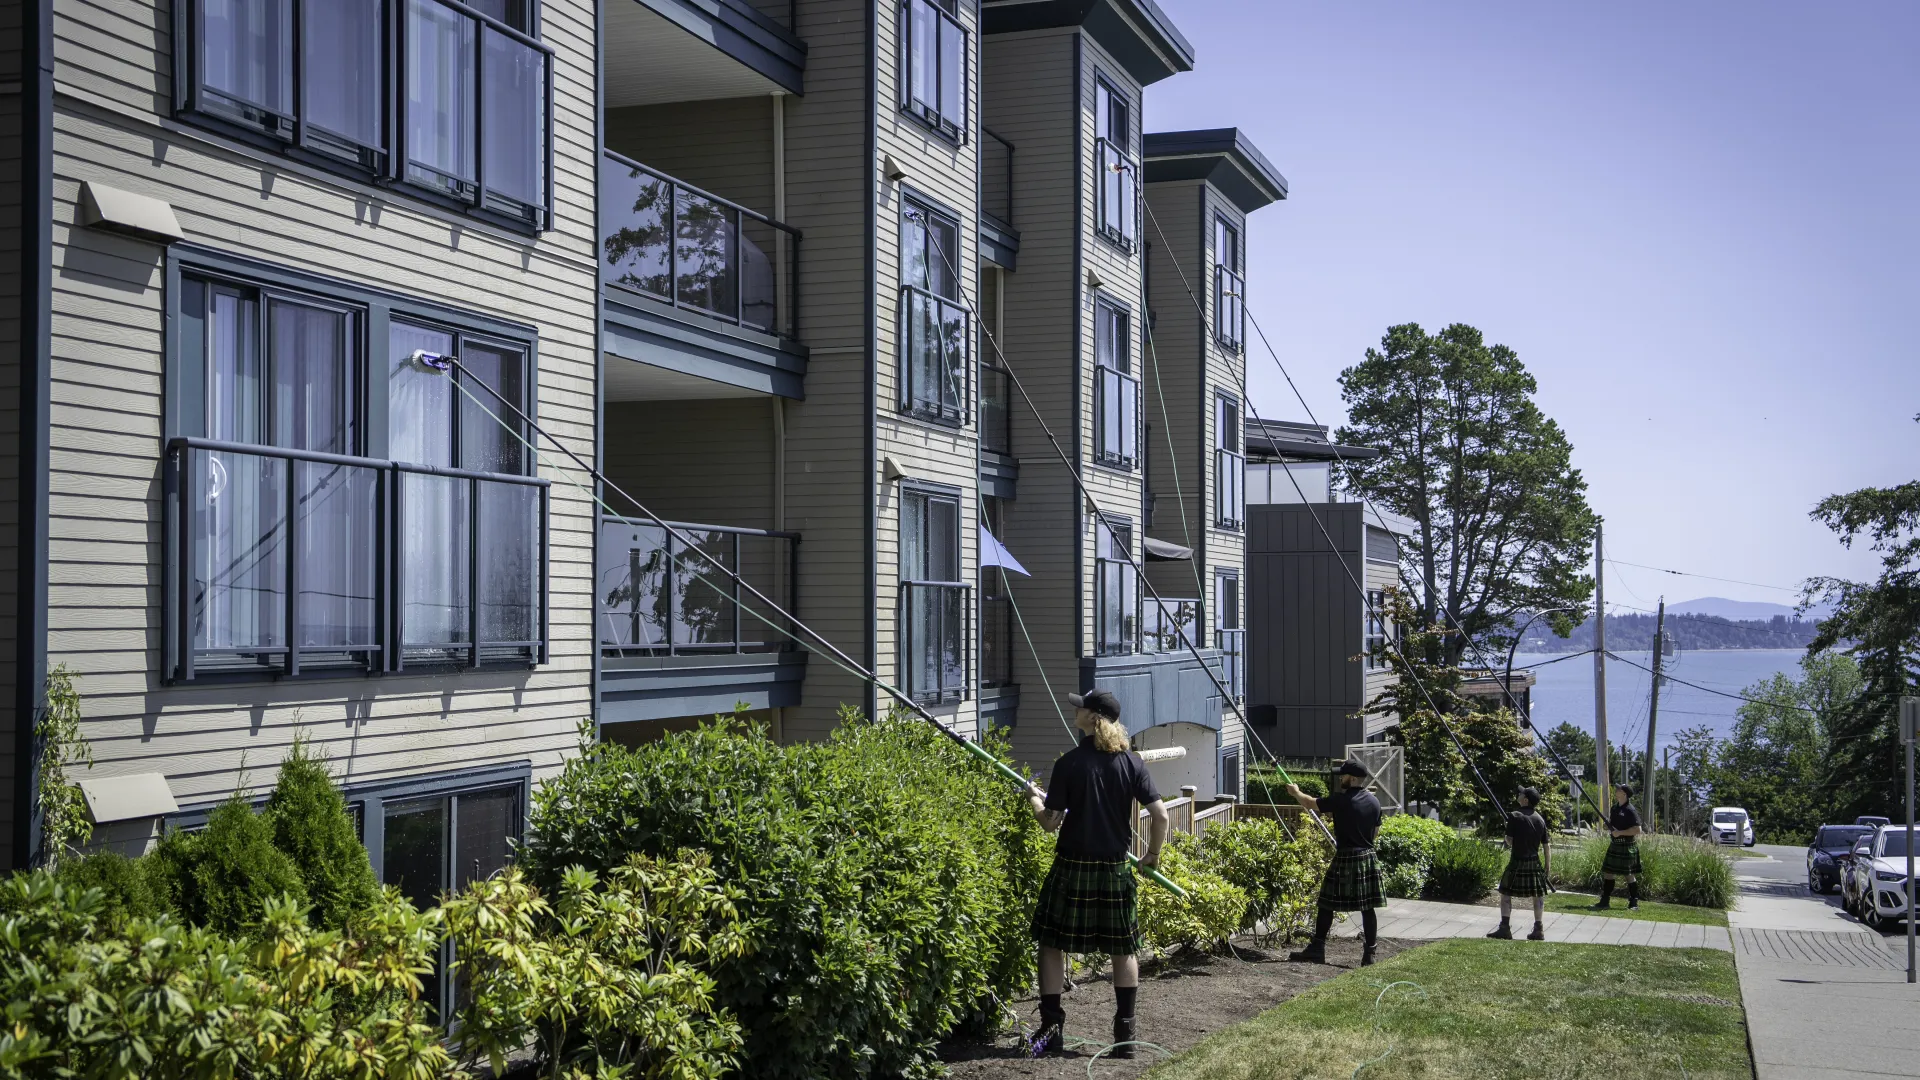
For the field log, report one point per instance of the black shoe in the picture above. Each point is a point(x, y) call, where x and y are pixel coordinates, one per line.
point(1606, 898)
point(1314, 953)
point(1503, 932)
point(1050, 1040)
point(1633, 896)
point(1123, 1037)
point(1366, 956)
point(1539, 933)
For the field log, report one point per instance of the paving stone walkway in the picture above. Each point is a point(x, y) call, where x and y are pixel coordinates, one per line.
point(1426, 920)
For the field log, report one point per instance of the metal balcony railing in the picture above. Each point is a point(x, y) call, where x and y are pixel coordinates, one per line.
point(284, 561)
point(936, 662)
point(659, 596)
point(679, 245)
point(1233, 647)
point(1165, 622)
point(1116, 418)
point(1230, 489)
point(1117, 194)
point(936, 381)
point(1229, 309)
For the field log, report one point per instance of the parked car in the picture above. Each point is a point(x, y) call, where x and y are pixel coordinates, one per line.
point(1829, 854)
point(1731, 825)
point(1871, 821)
point(1873, 887)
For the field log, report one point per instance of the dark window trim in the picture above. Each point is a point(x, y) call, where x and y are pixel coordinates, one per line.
point(1228, 454)
point(957, 132)
point(388, 166)
point(1132, 645)
point(1115, 238)
point(1229, 333)
point(1117, 461)
point(957, 590)
point(377, 307)
point(962, 413)
point(194, 816)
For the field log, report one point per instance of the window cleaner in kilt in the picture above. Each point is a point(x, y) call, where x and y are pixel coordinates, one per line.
point(1623, 851)
point(1353, 879)
point(1529, 864)
point(1088, 903)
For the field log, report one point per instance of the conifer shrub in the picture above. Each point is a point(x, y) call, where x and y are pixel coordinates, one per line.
point(886, 880)
point(311, 825)
point(125, 891)
point(223, 876)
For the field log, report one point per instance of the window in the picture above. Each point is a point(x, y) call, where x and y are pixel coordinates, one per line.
point(1117, 176)
point(1229, 464)
point(996, 605)
point(1116, 589)
point(292, 547)
point(319, 80)
point(1229, 288)
point(1376, 643)
point(934, 373)
point(1230, 637)
point(1230, 771)
point(935, 604)
point(1116, 393)
point(996, 386)
point(934, 53)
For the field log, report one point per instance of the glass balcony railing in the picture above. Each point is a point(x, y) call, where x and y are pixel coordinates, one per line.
point(1164, 623)
point(659, 594)
point(1116, 418)
point(935, 660)
point(1230, 489)
point(935, 381)
point(679, 245)
point(1117, 191)
point(1229, 309)
point(996, 410)
point(1233, 646)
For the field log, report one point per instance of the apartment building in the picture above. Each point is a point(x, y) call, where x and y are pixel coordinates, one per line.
point(254, 500)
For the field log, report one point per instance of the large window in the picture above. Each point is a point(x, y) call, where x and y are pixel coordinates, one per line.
point(1230, 637)
point(1116, 393)
point(470, 83)
point(1229, 464)
point(935, 605)
point(1229, 287)
point(1117, 175)
point(934, 62)
point(1116, 591)
point(934, 373)
point(1375, 647)
point(303, 540)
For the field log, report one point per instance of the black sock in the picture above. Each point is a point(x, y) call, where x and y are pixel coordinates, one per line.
point(1323, 924)
point(1370, 925)
point(1050, 1007)
point(1123, 1000)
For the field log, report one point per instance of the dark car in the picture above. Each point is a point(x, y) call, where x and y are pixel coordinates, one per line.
point(1828, 855)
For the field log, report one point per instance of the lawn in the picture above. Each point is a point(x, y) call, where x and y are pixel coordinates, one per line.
point(1497, 1009)
point(1574, 903)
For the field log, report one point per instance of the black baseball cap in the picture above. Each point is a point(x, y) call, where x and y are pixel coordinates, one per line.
point(1350, 767)
point(1097, 700)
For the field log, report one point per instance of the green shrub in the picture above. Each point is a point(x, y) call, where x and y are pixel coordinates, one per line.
point(311, 825)
point(1404, 882)
point(1406, 846)
point(222, 877)
point(1465, 869)
point(889, 879)
point(1212, 912)
point(1674, 869)
point(125, 892)
point(1265, 784)
point(1280, 876)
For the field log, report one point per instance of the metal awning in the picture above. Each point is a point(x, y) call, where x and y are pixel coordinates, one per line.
point(1161, 551)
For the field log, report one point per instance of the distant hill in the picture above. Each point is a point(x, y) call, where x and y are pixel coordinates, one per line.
point(1633, 632)
point(1720, 607)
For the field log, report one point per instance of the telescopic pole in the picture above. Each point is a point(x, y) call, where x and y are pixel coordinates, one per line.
point(1909, 719)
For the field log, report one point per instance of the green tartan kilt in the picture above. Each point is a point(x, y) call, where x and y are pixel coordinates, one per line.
point(1525, 876)
point(1352, 882)
point(1088, 906)
point(1623, 857)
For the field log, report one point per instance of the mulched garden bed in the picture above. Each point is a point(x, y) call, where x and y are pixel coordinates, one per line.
point(1182, 1000)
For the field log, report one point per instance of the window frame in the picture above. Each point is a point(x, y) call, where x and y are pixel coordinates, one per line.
point(952, 591)
point(960, 411)
point(1130, 643)
point(1377, 629)
point(184, 419)
point(1122, 377)
point(386, 165)
point(1229, 312)
point(1229, 600)
point(933, 118)
point(1229, 462)
point(1126, 234)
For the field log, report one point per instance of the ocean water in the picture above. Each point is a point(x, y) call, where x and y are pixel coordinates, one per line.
point(1564, 690)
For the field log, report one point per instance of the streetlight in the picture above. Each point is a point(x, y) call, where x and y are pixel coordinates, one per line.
point(1506, 681)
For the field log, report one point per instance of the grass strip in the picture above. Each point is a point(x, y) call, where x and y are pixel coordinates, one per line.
point(1573, 903)
point(1497, 1009)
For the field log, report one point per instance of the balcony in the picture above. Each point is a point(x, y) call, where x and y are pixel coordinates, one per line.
point(1116, 419)
point(1233, 647)
point(687, 50)
point(678, 635)
point(936, 662)
point(1170, 626)
point(999, 240)
point(284, 562)
point(1117, 194)
point(936, 381)
point(696, 284)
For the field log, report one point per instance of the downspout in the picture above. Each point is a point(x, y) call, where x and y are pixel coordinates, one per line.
point(36, 351)
point(599, 355)
point(1078, 525)
point(870, 174)
point(783, 291)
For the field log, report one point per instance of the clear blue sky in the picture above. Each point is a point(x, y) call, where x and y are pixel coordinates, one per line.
point(1698, 223)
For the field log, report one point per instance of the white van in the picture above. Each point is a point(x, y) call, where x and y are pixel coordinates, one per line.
point(1731, 825)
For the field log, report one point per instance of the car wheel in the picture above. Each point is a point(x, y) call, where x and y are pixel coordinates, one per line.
point(1813, 883)
point(1872, 914)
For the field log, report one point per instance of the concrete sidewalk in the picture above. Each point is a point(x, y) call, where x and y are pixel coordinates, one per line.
point(1428, 920)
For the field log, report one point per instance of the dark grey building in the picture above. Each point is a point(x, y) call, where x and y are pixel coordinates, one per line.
point(1310, 637)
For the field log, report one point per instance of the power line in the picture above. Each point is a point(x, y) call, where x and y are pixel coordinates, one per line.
point(1737, 697)
point(1703, 577)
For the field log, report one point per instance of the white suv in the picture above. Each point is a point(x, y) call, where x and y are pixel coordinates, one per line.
point(1875, 886)
point(1731, 825)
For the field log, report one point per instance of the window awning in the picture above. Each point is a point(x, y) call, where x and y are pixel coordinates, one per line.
point(1162, 551)
point(994, 553)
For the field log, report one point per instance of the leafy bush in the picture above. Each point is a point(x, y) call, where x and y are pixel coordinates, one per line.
point(1465, 869)
point(888, 877)
point(606, 978)
point(1404, 882)
point(1265, 784)
point(1214, 908)
point(156, 998)
point(1406, 846)
point(125, 892)
point(1674, 869)
point(310, 823)
point(1280, 876)
point(223, 876)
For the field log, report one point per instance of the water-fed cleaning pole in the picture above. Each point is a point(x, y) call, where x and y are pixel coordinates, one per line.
point(445, 365)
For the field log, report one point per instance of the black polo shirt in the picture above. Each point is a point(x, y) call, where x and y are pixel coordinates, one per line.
point(1356, 817)
point(1097, 790)
point(1623, 817)
point(1525, 833)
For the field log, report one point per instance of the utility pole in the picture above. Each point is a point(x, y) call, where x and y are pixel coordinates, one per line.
point(1653, 713)
point(1666, 763)
point(1600, 668)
